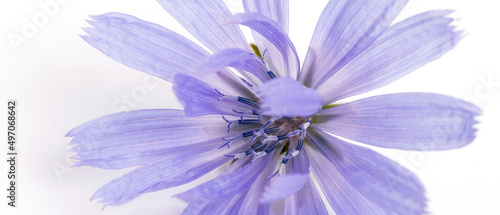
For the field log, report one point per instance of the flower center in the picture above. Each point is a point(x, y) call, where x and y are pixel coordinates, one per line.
point(287, 133)
point(278, 120)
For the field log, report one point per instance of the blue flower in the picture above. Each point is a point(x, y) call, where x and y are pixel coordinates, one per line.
point(271, 123)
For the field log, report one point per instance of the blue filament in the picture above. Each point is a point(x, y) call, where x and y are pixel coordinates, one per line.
point(248, 102)
point(271, 74)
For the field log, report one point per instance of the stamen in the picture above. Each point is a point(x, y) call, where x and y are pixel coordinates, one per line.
point(249, 151)
point(271, 74)
point(256, 50)
point(273, 147)
point(229, 125)
point(263, 132)
point(262, 129)
point(268, 68)
point(270, 138)
point(248, 122)
point(271, 130)
point(270, 149)
point(247, 83)
point(240, 121)
point(247, 113)
point(300, 145)
point(280, 169)
point(289, 155)
point(248, 102)
point(237, 156)
point(291, 134)
point(292, 154)
point(270, 121)
point(255, 135)
point(235, 138)
point(247, 134)
point(258, 155)
point(286, 126)
point(239, 99)
point(230, 140)
point(304, 127)
point(228, 97)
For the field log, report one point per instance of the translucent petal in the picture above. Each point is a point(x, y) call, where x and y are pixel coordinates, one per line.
point(227, 185)
point(204, 20)
point(403, 48)
point(251, 204)
point(345, 29)
point(140, 137)
point(155, 50)
point(229, 205)
point(275, 35)
point(283, 186)
point(378, 179)
point(199, 98)
point(307, 200)
point(170, 172)
point(143, 45)
point(343, 198)
point(409, 121)
point(238, 59)
point(277, 10)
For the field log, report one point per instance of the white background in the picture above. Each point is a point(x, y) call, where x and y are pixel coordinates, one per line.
point(61, 82)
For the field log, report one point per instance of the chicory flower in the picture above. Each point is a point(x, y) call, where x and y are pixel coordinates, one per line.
point(270, 122)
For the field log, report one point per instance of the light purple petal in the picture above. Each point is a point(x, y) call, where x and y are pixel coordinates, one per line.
point(170, 172)
point(343, 198)
point(410, 121)
point(307, 200)
point(269, 29)
point(238, 59)
point(199, 98)
point(283, 186)
point(251, 204)
point(277, 10)
point(403, 48)
point(143, 45)
point(228, 81)
point(231, 205)
point(204, 20)
point(227, 185)
point(155, 50)
point(286, 97)
point(345, 29)
point(140, 137)
point(300, 163)
point(378, 179)
point(297, 175)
